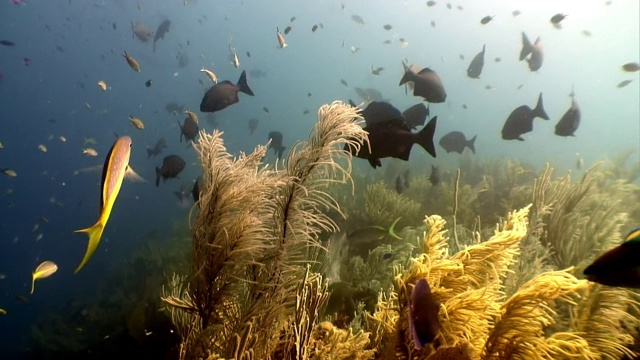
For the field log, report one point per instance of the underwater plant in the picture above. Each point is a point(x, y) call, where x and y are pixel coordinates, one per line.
point(254, 233)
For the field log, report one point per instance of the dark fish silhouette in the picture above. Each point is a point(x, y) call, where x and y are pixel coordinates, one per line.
point(357, 19)
point(197, 188)
point(172, 165)
point(174, 108)
point(631, 67)
point(619, 266)
point(475, 68)
point(402, 181)
point(163, 28)
point(570, 121)
point(426, 83)
point(534, 52)
point(314, 28)
point(369, 94)
point(434, 178)
point(287, 30)
point(416, 115)
point(148, 83)
point(520, 121)
point(456, 141)
point(223, 94)
point(557, 18)
point(424, 323)
point(7, 43)
point(276, 143)
point(157, 149)
point(387, 27)
point(624, 83)
point(253, 124)
point(390, 136)
point(189, 129)
point(487, 19)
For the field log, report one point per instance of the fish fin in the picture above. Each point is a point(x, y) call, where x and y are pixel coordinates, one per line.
point(633, 236)
point(33, 282)
point(425, 137)
point(539, 110)
point(520, 138)
point(181, 133)
point(95, 233)
point(392, 229)
point(157, 176)
point(375, 162)
point(527, 48)
point(407, 75)
point(242, 83)
point(471, 144)
point(131, 175)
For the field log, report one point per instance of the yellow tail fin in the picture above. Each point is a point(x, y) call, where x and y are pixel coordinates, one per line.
point(95, 233)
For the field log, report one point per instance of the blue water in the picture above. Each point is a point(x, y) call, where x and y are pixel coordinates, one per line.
point(45, 100)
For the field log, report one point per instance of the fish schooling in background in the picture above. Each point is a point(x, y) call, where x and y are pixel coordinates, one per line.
point(619, 266)
point(116, 168)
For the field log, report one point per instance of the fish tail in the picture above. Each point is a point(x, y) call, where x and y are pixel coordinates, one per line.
point(527, 48)
point(407, 75)
point(471, 144)
point(425, 137)
point(158, 174)
point(95, 233)
point(180, 126)
point(392, 230)
point(242, 84)
point(539, 110)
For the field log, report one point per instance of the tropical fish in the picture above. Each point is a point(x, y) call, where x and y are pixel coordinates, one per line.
point(137, 123)
point(623, 83)
point(387, 27)
point(133, 63)
point(189, 129)
point(3, 311)
point(116, 167)
point(281, 42)
point(631, 67)
point(90, 152)
point(619, 266)
point(533, 51)
point(487, 19)
point(431, 3)
point(570, 121)
point(275, 138)
point(148, 83)
point(376, 71)
point(456, 141)
point(357, 19)
point(416, 115)
point(212, 76)
point(390, 136)
point(162, 30)
point(557, 18)
point(140, 31)
point(287, 30)
point(157, 148)
point(102, 85)
point(10, 172)
point(44, 270)
point(426, 83)
point(402, 181)
point(363, 239)
point(224, 94)
point(7, 43)
point(197, 187)
point(475, 68)
point(520, 121)
point(423, 310)
point(253, 124)
point(579, 161)
point(174, 108)
point(172, 165)
point(314, 28)
point(233, 56)
point(435, 176)
point(42, 148)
